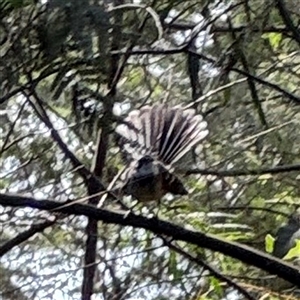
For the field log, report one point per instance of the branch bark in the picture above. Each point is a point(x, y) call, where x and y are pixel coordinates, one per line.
point(243, 253)
point(24, 236)
point(245, 172)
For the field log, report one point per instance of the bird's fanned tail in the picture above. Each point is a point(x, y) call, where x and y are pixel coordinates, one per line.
point(164, 132)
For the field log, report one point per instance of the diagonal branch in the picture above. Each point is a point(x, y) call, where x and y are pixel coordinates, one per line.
point(224, 29)
point(92, 182)
point(287, 20)
point(245, 172)
point(184, 49)
point(10, 131)
point(24, 236)
point(243, 253)
point(37, 105)
point(257, 79)
point(251, 83)
point(211, 269)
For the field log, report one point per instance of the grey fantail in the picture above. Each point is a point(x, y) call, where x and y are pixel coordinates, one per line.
point(156, 143)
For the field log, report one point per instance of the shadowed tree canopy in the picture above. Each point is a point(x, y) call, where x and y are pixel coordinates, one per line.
point(71, 71)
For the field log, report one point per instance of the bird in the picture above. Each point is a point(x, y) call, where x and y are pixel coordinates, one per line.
point(287, 235)
point(156, 143)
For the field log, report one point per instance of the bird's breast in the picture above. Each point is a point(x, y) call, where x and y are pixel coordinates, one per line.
point(146, 189)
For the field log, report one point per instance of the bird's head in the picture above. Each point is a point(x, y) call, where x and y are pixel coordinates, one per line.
point(145, 161)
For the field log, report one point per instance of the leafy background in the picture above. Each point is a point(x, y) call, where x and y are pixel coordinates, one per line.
point(70, 70)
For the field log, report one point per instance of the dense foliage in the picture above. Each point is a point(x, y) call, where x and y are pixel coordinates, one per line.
point(71, 69)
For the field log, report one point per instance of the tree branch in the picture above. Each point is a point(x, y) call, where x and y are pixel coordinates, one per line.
point(115, 73)
point(245, 172)
point(22, 237)
point(224, 29)
point(251, 83)
point(41, 113)
point(287, 20)
point(243, 253)
point(184, 49)
point(211, 269)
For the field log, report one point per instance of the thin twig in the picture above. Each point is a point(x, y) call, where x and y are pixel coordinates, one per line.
point(211, 269)
point(245, 172)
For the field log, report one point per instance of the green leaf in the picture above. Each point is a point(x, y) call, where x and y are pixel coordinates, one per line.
point(274, 39)
point(294, 252)
point(217, 287)
point(227, 95)
point(173, 264)
point(269, 243)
